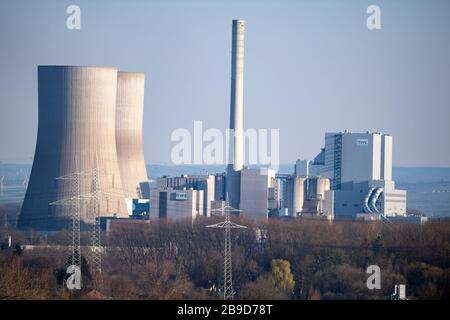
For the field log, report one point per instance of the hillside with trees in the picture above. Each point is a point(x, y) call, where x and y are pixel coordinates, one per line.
point(294, 259)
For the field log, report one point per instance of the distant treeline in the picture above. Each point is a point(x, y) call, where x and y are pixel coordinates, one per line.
point(284, 259)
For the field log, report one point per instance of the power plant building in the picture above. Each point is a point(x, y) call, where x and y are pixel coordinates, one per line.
point(359, 166)
point(357, 157)
point(306, 197)
point(255, 191)
point(370, 197)
point(206, 183)
point(173, 205)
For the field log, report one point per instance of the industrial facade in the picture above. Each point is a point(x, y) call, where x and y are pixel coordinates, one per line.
point(306, 196)
point(206, 183)
point(357, 157)
point(359, 166)
point(255, 186)
point(77, 134)
point(173, 205)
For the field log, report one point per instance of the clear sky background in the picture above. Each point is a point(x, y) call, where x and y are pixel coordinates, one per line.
point(310, 67)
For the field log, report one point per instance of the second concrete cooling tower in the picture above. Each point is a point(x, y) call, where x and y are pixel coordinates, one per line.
point(76, 133)
point(130, 151)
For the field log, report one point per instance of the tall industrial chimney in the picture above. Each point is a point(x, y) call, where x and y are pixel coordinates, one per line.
point(236, 159)
point(237, 94)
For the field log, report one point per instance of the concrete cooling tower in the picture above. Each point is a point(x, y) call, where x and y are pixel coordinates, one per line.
point(76, 133)
point(129, 115)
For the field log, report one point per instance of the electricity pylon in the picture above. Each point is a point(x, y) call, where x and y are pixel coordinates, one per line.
point(228, 292)
point(93, 218)
point(74, 203)
point(93, 199)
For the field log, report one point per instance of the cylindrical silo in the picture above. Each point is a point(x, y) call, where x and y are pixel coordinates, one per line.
point(317, 187)
point(299, 194)
point(129, 117)
point(295, 195)
point(76, 133)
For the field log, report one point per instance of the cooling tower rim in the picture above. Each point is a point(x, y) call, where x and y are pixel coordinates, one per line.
point(77, 67)
point(131, 74)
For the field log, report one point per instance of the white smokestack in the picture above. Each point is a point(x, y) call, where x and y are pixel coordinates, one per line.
point(237, 95)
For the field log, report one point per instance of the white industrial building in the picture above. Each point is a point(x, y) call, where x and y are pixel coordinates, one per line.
point(206, 183)
point(359, 166)
point(170, 204)
point(372, 197)
point(306, 197)
point(357, 157)
point(257, 185)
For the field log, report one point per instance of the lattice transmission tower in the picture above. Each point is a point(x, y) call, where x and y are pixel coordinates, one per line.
point(92, 201)
point(228, 292)
point(93, 218)
point(74, 203)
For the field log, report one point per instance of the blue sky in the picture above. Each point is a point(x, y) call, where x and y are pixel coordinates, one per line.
point(310, 67)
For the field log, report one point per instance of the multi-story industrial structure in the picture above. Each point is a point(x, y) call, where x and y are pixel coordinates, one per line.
point(256, 186)
point(357, 157)
point(77, 136)
point(170, 204)
point(373, 197)
point(206, 183)
point(359, 166)
point(306, 197)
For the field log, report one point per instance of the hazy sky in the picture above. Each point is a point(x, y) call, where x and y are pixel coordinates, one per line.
point(310, 67)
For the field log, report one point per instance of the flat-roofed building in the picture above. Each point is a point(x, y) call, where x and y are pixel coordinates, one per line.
point(173, 204)
point(205, 183)
point(254, 197)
